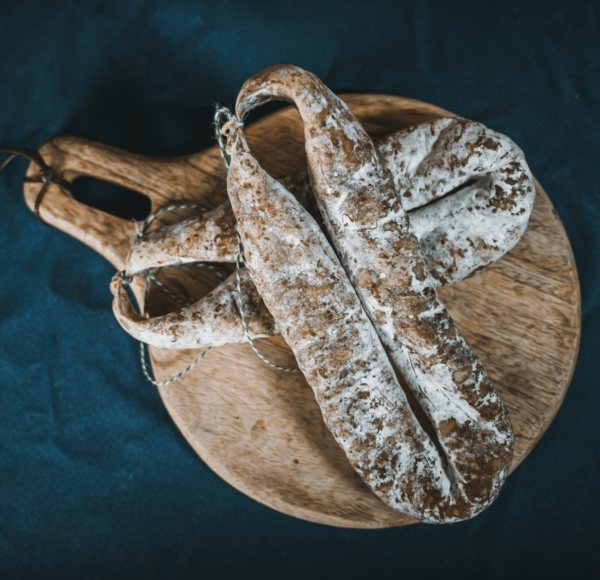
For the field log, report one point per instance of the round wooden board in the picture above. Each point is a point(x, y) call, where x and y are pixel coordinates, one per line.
point(261, 429)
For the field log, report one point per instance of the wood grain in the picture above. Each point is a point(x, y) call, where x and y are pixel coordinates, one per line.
point(261, 429)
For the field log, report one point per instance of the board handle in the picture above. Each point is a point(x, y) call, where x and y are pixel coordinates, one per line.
point(194, 179)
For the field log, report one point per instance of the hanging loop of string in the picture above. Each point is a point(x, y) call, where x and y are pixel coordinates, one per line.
point(45, 177)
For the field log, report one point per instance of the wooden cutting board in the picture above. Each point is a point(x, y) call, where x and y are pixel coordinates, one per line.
point(261, 429)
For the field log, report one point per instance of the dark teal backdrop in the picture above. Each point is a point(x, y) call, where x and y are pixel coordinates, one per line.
point(95, 481)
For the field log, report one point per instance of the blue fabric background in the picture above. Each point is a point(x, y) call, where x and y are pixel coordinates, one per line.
point(95, 481)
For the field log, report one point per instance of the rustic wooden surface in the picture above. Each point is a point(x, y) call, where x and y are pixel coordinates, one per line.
point(261, 429)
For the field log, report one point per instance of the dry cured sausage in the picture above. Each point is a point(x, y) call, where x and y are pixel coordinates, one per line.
point(321, 317)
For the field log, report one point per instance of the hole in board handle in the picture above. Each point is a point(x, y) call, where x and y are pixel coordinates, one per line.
point(111, 198)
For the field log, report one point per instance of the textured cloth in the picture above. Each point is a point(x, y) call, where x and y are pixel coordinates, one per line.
point(95, 480)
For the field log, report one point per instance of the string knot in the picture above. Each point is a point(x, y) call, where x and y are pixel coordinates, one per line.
point(127, 280)
point(46, 174)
